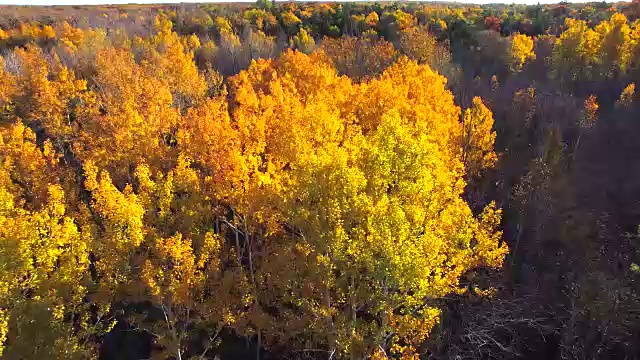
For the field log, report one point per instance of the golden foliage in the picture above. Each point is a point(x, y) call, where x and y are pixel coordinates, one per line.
point(138, 178)
point(521, 51)
point(304, 42)
point(478, 138)
point(349, 173)
point(627, 96)
point(44, 257)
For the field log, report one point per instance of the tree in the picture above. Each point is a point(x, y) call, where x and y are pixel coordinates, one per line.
point(304, 42)
point(627, 96)
point(335, 204)
point(44, 258)
point(521, 51)
point(359, 58)
point(418, 44)
point(478, 138)
point(127, 119)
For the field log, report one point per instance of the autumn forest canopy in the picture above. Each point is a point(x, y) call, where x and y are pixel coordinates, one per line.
point(320, 181)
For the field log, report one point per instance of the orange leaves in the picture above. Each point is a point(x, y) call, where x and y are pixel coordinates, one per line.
point(372, 19)
point(130, 118)
point(72, 37)
point(276, 121)
point(47, 89)
point(329, 200)
point(33, 169)
point(589, 113)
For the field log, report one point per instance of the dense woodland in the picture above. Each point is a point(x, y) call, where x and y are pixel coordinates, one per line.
point(320, 181)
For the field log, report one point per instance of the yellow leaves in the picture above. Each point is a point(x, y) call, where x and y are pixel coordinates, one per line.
point(339, 196)
point(223, 25)
point(4, 328)
point(170, 59)
point(573, 46)
point(71, 36)
point(263, 20)
point(7, 89)
point(521, 51)
point(289, 19)
point(120, 211)
point(615, 48)
point(304, 42)
point(412, 330)
point(162, 25)
point(48, 32)
point(121, 228)
point(208, 259)
point(627, 96)
point(32, 169)
point(48, 88)
point(191, 42)
point(487, 236)
point(372, 19)
point(43, 251)
point(478, 138)
point(403, 20)
point(371, 181)
point(598, 52)
point(173, 274)
point(130, 119)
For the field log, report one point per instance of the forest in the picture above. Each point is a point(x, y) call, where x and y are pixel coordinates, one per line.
point(295, 180)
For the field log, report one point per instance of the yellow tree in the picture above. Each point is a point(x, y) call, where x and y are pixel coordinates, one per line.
point(159, 245)
point(118, 230)
point(304, 42)
point(372, 19)
point(181, 269)
point(127, 119)
point(627, 96)
point(170, 58)
point(46, 92)
point(478, 138)
point(521, 51)
point(357, 190)
point(616, 45)
point(290, 22)
point(44, 257)
point(7, 92)
point(575, 51)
